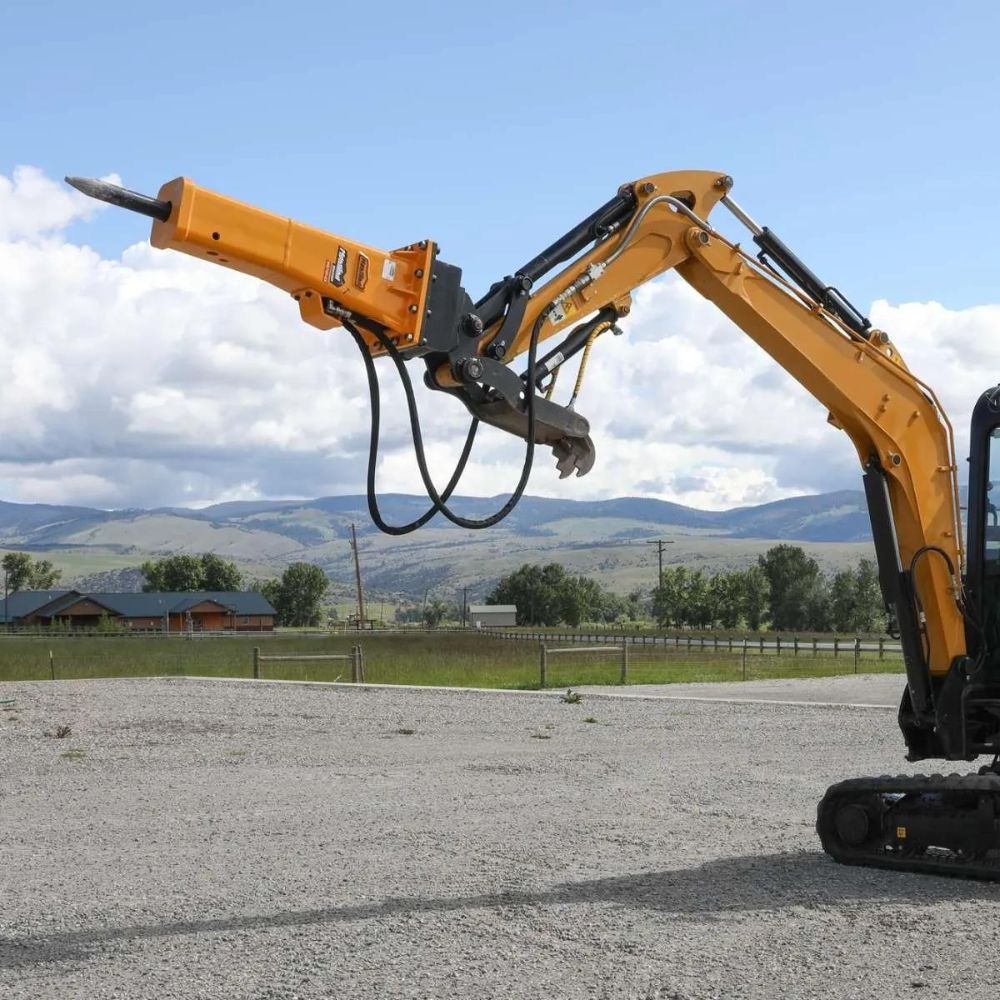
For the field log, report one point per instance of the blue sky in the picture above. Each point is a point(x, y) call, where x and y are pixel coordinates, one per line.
point(865, 134)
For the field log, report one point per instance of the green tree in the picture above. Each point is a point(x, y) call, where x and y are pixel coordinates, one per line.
point(795, 586)
point(219, 574)
point(297, 596)
point(24, 573)
point(669, 597)
point(434, 611)
point(173, 574)
point(843, 601)
point(188, 573)
point(726, 599)
point(535, 590)
point(271, 589)
point(754, 596)
point(44, 576)
point(634, 605)
point(870, 603)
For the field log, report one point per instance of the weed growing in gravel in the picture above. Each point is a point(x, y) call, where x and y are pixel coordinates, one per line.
point(572, 697)
point(60, 732)
point(590, 718)
point(541, 736)
point(236, 753)
point(406, 732)
point(74, 754)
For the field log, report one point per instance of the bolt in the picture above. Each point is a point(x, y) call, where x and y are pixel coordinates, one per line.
point(423, 244)
point(472, 325)
point(413, 309)
point(883, 337)
point(647, 188)
point(419, 272)
point(470, 370)
point(496, 351)
point(409, 337)
point(725, 182)
point(427, 313)
point(700, 236)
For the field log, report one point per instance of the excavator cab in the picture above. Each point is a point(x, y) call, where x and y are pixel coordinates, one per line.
point(982, 581)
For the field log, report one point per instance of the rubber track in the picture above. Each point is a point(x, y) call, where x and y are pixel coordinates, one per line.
point(952, 867)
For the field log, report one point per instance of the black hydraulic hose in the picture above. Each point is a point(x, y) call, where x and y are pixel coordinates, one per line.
point(418, 444)
point(375, 400)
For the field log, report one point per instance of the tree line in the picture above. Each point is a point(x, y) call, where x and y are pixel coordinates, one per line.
point(785, 590)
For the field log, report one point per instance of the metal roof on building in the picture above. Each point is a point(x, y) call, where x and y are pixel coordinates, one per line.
point(481, 609)
point(155, 604)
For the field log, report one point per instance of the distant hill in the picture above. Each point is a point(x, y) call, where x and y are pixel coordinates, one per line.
point(605, 538)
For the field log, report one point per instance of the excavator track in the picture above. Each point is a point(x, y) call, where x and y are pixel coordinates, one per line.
point(936, 825)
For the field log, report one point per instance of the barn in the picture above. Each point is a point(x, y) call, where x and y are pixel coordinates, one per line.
point(485, 615)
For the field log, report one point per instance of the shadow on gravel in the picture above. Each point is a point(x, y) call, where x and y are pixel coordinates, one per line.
point(728, 885)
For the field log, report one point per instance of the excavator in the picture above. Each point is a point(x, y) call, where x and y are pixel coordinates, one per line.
point(943, 596)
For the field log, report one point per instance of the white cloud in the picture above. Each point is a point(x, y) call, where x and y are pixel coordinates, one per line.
point(32, 205)
point(156, 379)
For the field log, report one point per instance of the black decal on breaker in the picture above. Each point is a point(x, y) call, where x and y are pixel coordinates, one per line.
point(336, 270)
point(361, 277)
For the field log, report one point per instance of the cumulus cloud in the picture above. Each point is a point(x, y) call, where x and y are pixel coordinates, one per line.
point(154, 379)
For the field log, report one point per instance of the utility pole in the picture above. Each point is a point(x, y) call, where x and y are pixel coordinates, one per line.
point(357, 577)
point(659, 543)
point(465, 603)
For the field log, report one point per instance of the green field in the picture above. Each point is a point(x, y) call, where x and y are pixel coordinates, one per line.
point(472, 660)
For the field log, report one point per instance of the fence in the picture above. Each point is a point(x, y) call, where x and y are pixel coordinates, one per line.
point(355, 656)
point(546, 652)
point(764, 642)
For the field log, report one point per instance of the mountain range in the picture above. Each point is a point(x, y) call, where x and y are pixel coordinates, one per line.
point(609, 539)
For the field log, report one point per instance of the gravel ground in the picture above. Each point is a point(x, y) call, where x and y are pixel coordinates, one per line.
point(235, 840)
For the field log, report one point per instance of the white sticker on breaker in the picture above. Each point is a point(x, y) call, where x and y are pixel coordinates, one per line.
point(388, 270)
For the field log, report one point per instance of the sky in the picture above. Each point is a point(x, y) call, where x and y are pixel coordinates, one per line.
point(865, 135)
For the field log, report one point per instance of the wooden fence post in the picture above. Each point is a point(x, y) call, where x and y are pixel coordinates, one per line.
point(355, 665)
point(777, 644)
point(836, 647)
point(857, 653)
point(541, 668)
point(815, 648)
point(361, 661)
point(744, 659)
point(795, 646)
point(52, 665)
point(256, 663)
point(881, 648)
point(624, 677)
point(762, 645)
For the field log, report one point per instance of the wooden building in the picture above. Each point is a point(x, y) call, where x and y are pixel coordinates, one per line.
point(202, 611)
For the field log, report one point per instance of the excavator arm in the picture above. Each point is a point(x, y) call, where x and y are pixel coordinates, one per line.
point(409, 303)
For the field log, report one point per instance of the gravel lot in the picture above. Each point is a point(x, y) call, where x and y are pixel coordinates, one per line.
point(228, 840)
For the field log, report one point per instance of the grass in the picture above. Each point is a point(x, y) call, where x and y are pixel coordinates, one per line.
point(472, 660)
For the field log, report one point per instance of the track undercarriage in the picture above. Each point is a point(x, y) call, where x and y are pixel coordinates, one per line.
point(936, 824)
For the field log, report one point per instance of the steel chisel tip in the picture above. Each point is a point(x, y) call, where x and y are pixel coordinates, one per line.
point(115, 195)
